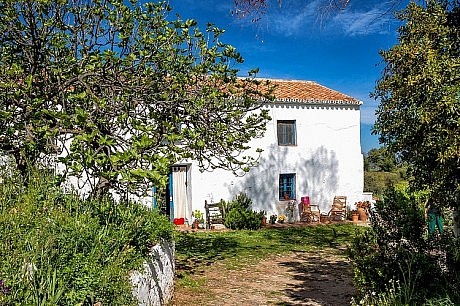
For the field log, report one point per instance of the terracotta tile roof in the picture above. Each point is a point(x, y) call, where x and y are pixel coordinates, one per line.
point(309, 92)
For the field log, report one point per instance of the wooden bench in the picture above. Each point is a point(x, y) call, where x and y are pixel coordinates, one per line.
point(213, 214)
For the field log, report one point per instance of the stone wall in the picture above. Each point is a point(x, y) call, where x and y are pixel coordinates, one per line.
point(154, 285)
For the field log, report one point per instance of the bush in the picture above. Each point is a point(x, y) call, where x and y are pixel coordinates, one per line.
point(241, 216)
point(57, 249)
point(378, 182)
point(396, 260)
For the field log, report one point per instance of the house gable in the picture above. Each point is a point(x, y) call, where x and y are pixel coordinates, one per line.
point(317, 152)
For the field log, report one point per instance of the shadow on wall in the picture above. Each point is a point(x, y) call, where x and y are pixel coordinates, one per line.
point(319, 177)
point(316, 177)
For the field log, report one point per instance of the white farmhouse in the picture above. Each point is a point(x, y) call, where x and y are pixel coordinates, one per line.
point(311, 148)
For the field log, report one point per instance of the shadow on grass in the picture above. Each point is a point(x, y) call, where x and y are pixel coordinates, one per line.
point(194, 251)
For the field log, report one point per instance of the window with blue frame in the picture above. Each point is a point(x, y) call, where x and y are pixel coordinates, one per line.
point(286, 132)
point(287, 186)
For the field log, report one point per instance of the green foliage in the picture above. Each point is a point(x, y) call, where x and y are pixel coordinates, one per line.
point(378, 182)
point(242, 201)
point(198, 215)
point(419, 92)
point(417, 119)
point(240, 215)
point(59, 250)
point(382, 170)
point(224, 208)
point(395, 262)
point(124, 102)
point(243, 219)
point(380, 160)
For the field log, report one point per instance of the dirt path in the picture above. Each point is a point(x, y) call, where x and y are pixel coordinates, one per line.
point(314, 278)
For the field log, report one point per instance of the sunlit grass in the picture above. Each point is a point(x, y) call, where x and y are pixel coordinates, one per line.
point(238, 249)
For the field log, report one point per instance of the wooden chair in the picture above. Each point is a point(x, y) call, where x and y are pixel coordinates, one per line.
point(213, 214)
point(310, 213)
point(338, 211)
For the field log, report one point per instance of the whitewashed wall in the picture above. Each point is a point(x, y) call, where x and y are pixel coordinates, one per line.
point(327, 161)
point(154, 284)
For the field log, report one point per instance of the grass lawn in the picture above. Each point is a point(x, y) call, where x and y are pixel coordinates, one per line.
point(237, 249)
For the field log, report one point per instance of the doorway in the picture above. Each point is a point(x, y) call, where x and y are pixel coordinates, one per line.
point(180, 204)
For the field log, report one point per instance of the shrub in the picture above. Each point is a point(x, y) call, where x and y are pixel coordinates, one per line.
point(57, 249)
point(378, 182)
point(241, 216)
point(395, 259)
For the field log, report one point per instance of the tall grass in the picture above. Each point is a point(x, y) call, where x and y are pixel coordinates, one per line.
point(57, 249)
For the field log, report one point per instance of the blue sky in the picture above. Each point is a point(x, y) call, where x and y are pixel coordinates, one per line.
point(294, 40)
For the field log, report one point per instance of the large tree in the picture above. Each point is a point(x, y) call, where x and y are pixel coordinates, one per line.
point(119, 91)
point(418, 116)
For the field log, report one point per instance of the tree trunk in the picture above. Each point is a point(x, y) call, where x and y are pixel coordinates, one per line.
point(101, 189)
point(22, 166)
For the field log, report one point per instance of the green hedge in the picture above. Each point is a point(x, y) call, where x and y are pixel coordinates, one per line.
point(57, 249)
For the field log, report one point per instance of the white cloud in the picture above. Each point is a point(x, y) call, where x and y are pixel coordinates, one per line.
point(292, 20)
point(355, 23)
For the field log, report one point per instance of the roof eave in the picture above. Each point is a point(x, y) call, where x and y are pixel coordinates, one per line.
point(316, 102)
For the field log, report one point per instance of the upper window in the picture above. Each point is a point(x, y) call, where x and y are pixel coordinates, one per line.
point(286, 132)
point(287, 186)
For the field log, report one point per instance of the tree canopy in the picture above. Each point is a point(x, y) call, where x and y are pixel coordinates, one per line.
point(418, 116)
point(380, 160)
point(115, 92)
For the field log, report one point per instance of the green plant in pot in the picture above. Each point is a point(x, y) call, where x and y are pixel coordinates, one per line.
point(198, 219)
point(281, 218)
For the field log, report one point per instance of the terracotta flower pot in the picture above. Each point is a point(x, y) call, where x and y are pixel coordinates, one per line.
point(264, 221)
point(354, 217)
point(362, 214)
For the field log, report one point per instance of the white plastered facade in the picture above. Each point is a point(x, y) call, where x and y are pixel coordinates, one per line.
point(326, 160)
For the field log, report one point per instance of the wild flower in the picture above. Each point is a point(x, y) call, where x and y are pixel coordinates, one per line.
point(4, 290)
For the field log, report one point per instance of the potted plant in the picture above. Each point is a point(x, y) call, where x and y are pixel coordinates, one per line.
point(363, 209)
point(273, 219)
point(290, 211)
point(199, 219)
point(354, 215)
point(281, 218)
point(264, 220)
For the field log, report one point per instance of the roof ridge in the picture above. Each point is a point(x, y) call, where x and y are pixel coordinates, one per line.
point(288, 80)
